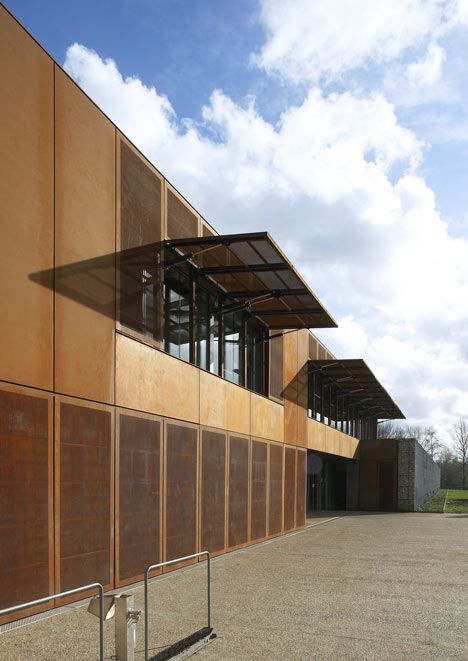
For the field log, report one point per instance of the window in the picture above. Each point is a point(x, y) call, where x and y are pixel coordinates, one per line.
point(177, 313)
point(207, 330)
point(255, 356)
point(329, 404)
point(169, 301)
point(318, 397)
point(233, 347)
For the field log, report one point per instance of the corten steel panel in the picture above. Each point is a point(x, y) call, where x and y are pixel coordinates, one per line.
point(138, 529)
point(322, 352)
point(223, 405)
point(301, 472)
point(213, 491)
point(26, 215)
point(323, 438)
point(290, 388)
point(333, 441)
point(84, 229)
point(140, 371)
point(313, 347)
point(207, 231)
point(258, 500)
point(139, 223)
point(26, 512)
point(140, 200)
point(368, 485)
point(276, 366)
point(238, 491)
point(275, 489)
point(267, 418)
point(181, 490)
point(387, 485)
point(380, 448)
point(84, 504)
point(289, 488)
point(182, 221)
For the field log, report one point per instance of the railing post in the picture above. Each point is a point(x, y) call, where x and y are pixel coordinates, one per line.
point(146, 613)
point(101, 623)
point(165, 564)
point(209, 590)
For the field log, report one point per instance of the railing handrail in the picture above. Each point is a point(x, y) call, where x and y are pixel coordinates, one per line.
point(67, 593)
point(173, 562)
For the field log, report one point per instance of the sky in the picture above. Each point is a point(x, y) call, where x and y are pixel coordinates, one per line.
point(339, 126)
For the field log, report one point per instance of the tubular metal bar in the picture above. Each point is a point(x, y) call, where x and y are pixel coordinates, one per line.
point(173, 562)
point(67, 593)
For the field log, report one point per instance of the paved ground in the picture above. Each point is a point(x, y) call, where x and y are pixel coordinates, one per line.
point(366, 586)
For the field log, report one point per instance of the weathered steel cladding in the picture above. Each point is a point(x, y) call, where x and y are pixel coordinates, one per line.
point(138, 510)
point(213, 491)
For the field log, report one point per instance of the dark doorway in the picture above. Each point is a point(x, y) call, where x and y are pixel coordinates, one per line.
point(326, 482)
point(337, 491)
point(386, 486)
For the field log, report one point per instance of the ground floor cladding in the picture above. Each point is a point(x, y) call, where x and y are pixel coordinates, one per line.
point(91, 492)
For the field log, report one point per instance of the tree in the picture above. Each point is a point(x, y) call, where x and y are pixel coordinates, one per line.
point(430, 442)
point(459, 434)
point(450, 471)
point(426, 436)
point(389, 429)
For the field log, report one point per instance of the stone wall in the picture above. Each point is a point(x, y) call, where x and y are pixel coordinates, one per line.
point(418, 475)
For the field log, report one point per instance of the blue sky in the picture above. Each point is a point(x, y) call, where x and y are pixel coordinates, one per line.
point(186, 49)
point(183, 48)
point(340, 126)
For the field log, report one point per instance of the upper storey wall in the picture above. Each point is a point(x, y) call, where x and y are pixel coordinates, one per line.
point(68, 180)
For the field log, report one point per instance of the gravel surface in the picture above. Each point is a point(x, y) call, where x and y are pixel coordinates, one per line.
point(363, 586)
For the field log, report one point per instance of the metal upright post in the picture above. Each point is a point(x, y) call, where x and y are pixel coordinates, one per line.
point(126, 618)
point(209, 590)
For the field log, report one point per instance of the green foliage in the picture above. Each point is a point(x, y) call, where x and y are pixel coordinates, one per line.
point(435, 503)
point(449, 501)
point(457, 501)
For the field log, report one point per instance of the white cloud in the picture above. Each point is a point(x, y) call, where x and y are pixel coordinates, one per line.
point(427, 71)
point(372, 245)
point(325, 38)
point(421, 81)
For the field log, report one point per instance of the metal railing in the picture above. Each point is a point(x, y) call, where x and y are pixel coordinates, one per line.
point(67, 593)
point(173, 562)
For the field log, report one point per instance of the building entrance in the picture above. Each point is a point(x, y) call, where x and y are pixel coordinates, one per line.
point(326, 482)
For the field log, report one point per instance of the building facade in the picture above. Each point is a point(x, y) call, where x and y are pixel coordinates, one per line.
point(160, 390)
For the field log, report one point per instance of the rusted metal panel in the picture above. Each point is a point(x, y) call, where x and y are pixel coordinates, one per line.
point(84, 488)
point(26, 491)
point(275, 489)
point(289, 488)
point(238, 491)
point(301, 473)
point(213, 491)
point(138, 534)
point(181, 490)
point(258, 507)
